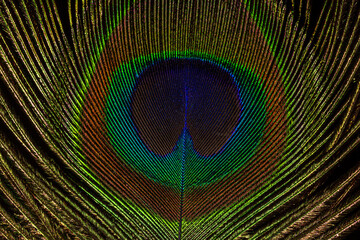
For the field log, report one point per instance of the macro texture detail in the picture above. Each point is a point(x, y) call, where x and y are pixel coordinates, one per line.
point(194, 119)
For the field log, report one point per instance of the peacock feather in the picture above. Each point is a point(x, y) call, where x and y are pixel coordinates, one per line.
point(190, 119)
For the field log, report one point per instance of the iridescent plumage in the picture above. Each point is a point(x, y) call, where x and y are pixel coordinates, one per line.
point(179, 119)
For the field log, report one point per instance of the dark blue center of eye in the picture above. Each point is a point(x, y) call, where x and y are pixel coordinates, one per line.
point(175, 95)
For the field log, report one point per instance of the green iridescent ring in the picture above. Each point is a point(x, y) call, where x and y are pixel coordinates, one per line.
point(199, 169)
